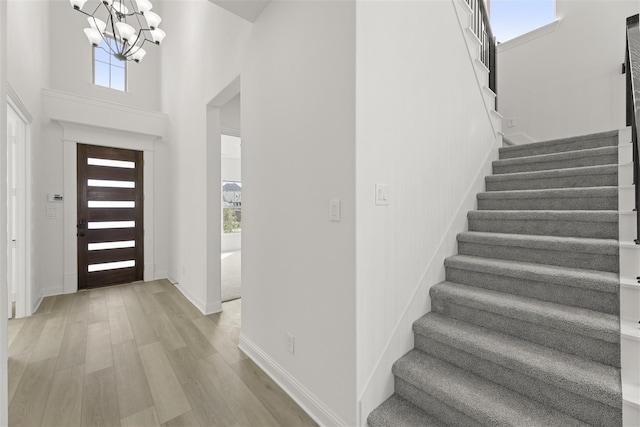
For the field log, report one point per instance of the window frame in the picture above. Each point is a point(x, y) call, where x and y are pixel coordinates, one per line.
point(110, 64)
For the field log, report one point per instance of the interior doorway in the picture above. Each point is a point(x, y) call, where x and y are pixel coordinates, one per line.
point(17, 128)
point(231, 174)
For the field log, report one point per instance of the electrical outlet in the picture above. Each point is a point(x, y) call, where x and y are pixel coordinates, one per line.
point(290, 342)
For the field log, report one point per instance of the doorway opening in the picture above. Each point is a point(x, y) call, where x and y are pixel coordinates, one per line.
point(231, 256)
point(231, 174)
point(110, 227)
point(17, 134)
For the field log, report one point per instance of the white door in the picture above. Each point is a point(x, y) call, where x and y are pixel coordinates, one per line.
point(16, 215)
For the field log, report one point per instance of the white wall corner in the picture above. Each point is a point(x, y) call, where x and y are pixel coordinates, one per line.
point(162, 274)
point(313, 406)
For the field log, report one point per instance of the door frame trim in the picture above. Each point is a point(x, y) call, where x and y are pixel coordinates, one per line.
point(24, 296)
point(74, 134)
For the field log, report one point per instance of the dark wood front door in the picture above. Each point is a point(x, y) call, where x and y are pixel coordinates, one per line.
point(110, 229)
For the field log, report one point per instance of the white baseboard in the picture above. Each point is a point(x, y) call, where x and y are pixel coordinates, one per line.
point(36, 305)
point(200, 305)
point(49, 292)
point(518, 138)
point(315, 408)
point(162, 274)
point(213, 308)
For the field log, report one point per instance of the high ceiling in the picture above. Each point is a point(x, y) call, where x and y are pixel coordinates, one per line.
point(247, 9)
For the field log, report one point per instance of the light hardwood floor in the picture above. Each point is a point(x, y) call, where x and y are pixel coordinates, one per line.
point(138, 355)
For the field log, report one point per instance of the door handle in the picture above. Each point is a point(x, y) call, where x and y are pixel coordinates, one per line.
point(82, 226)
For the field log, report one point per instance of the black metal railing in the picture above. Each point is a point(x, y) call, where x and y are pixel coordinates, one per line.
point(481, 27)
point(632, 69)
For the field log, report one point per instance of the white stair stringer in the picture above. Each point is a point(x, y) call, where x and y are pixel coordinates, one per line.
point(629, 286)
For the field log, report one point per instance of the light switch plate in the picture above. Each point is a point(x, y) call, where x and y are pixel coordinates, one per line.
point(382, 194)
point(334, 210)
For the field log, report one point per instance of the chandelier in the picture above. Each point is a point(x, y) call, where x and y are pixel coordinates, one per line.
point(122, 39)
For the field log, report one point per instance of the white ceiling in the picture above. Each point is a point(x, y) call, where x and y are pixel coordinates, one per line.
point(247, 9)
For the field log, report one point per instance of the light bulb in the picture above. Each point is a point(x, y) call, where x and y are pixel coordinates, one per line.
point(125, 30)
point(138, 55)
point(77, 4)
point(153, 19)
point(97, 24)
point(93, 35)
point(144, 6)
point(120, 8)
point(158, 35)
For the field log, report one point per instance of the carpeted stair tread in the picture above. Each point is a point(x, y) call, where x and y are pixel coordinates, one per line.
point(482, 400)
point(552, 215)
point(525, 330)
point(589, 379)
point(397, 411)
point(574, 320)
point(590, 289)
point(601, 281)
point(583, 198)
point(576, 223)
point(552, 243)
point(587, 176)
point(602, 139)
point(567, 159)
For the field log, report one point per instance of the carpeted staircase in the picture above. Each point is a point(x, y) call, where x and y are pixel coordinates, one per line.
point(525, 329)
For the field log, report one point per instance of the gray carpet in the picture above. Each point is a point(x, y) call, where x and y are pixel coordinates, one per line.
point(525, 329)
point(231, 275)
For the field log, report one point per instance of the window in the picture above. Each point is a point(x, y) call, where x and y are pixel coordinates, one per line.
point(231, 206)
point(510, 19)
point(109, 71)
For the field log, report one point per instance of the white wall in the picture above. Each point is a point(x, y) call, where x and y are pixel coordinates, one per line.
point(201, 55)
point(71, 61)
point(298, 152)
point(28, 72)
point(424, 130)
point(230, 116)
point(567, 82)
point(4, 398)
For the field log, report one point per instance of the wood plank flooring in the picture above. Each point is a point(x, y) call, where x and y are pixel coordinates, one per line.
point(138, 355)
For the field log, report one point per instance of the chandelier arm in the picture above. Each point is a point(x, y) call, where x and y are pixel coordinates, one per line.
point(126, 52)
point(96, 9)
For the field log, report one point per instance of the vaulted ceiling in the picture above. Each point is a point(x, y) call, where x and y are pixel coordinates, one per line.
point(247, 9)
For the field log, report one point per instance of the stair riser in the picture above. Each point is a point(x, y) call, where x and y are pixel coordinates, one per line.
point(631, 414)
point(572, 296)
point(555, 203)
point(433, 405)
point(561, 257)
point(630, 261)
point(569, 342)
point(630, 302)
point(560, 147)
point(628, 226)
point(587, 229)
point(580, 407)
point(605, 159)
point(601, 180)
point(630, 354)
